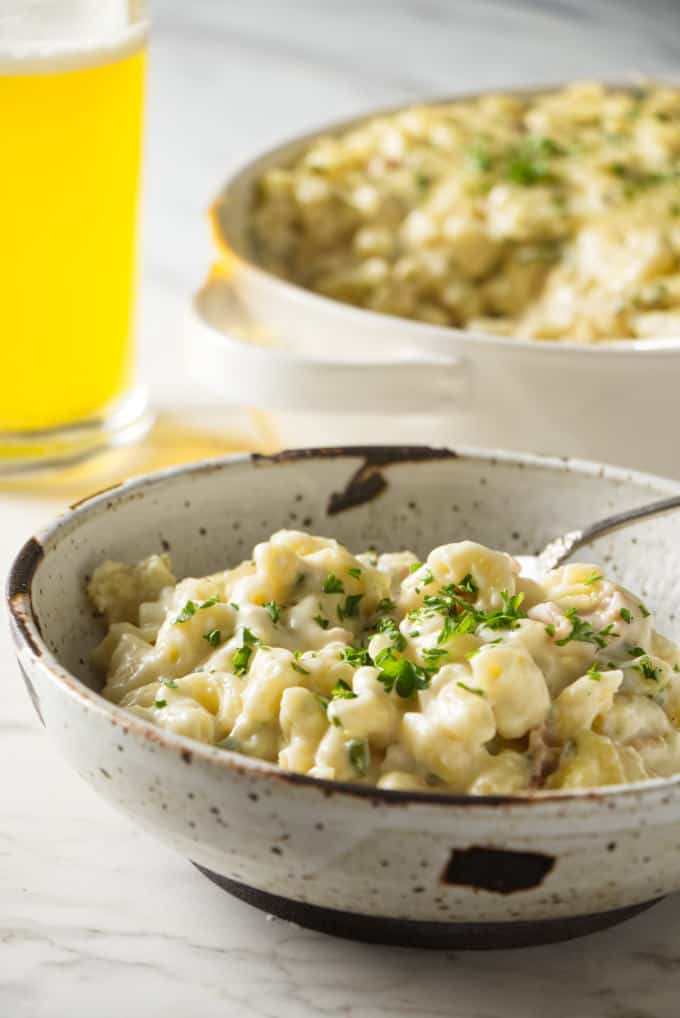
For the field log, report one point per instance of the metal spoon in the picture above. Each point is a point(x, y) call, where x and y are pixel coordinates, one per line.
point(560, 548)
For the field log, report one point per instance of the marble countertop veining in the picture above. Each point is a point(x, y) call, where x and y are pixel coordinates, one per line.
point(96, 918)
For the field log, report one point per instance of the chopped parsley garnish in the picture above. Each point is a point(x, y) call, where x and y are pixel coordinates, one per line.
point(626, 615)
point(550, 629)
point(386, 605)
point(356, 656)
point(479, 158)
point(160, 703)
point(647, 670)
point(527, 163)
point(583, 632)
point(427, 579)
point(594, 577)
point(468, 585)
point(593, 673)
point(414, 567)
point(343, 691)
point(645, 613)
point(355, 572)
point(214, 637)
point(461, 616)
point(243, 654)
point(350, 609)
point(509, 615)
point(296, 666)
point(236, 607)
point(170, 683)
point(332, 585)
point(470, 689)
point(434, 654)
point(321, 621)
point(273, 610)
point(359, 755)
point(399, 674)
point(390, 627)
point(636, 651)
point(191, 607)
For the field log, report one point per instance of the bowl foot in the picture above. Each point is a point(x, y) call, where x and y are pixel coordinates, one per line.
point(414, 933)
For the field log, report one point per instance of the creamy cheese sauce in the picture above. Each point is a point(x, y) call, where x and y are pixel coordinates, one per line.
point(457, 674)
point(553, 217)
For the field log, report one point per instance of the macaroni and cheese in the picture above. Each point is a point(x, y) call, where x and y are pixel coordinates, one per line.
point(554, 216)
point(455, 674)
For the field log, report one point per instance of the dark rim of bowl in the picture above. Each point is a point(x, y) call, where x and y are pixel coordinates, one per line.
point(28, 631)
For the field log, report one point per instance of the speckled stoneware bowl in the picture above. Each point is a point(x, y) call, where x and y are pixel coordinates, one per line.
point(399, 867)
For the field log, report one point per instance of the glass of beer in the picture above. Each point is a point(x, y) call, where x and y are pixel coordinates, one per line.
point(71, 95)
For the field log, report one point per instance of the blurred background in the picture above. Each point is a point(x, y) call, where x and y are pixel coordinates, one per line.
point(227, 79)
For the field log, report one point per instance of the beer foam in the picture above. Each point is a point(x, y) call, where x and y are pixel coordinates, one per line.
point(44, 36)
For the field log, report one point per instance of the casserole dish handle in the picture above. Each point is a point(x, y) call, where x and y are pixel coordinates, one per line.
point(244, 371)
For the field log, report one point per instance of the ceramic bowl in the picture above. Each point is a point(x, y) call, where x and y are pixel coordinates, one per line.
point(386, 866)
point(328, 364)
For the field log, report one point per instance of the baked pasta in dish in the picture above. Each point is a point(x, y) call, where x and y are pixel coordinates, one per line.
point(554, 216)
point(457, 674)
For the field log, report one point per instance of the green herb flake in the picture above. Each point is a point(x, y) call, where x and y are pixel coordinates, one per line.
point(414, 567)
point(550, 629)
point(190, 609)
point(593, 673)
point(170, 683)
point(467, 585)
point(187, 612)
point(350, 609)
point(332, 585)
point(583, 632)
point(434, 654)
point(214, 637)
point(356, 656)
point(236, 607)
point(343, 691)
point(386, 605)
point(160, 703)
point(399, 674)
point(647, 670)
point(359, 755)
point(296, 666)
point(355, 572)
point(594, 577)
point(479, 158)
point(322, 622)
point(626, 615)
point(470, 689)
point(273, 610)
point(390, 627)
point(242, 656)
point(645, 613)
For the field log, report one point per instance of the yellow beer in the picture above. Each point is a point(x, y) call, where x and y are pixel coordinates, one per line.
point(71, 137)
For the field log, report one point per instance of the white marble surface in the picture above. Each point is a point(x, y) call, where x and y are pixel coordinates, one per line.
point(95, 917)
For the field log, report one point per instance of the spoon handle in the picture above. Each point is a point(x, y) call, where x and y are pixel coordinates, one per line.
point(561, 548)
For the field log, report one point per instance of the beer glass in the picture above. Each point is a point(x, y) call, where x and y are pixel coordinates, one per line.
point(71, 94)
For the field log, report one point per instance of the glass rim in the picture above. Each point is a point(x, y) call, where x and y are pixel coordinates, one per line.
point(54, 46)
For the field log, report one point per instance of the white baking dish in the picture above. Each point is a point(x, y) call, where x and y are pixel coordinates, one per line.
point(332, 372)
